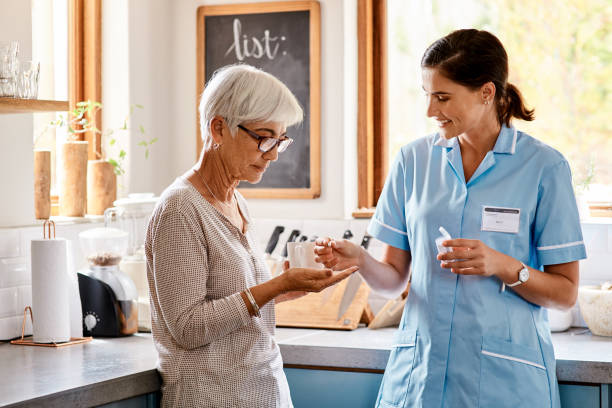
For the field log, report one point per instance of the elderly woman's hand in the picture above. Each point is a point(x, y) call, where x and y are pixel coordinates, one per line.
point(337, 255)
point(289, 295)
point(312, 280)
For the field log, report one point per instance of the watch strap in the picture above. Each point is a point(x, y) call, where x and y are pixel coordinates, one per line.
point(518, 282)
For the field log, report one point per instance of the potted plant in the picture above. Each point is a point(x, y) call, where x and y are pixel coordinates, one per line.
point(93, 181)
point(73, 173)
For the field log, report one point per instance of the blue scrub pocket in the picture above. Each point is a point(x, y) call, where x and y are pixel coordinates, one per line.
point(512, 375)
point(396, 380)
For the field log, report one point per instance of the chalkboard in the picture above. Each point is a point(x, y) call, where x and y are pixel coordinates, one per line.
point(281, 38)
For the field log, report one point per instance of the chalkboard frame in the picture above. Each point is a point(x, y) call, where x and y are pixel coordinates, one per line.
point(314, 191)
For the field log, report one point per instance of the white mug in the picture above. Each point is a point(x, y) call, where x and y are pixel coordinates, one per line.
point(302, 255)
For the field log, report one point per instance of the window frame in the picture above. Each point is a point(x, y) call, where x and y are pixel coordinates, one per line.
point(372, 125)
point(84, 69)
point(85, 63)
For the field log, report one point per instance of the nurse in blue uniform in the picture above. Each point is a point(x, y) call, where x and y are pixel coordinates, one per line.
point(474, 332)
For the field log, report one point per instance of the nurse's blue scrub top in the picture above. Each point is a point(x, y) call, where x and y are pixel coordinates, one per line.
point(462, 342)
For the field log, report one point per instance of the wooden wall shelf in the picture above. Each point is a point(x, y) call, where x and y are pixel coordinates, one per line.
point(15, 105)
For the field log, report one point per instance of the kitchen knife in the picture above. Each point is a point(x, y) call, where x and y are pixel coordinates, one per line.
point(365, 242)
point(347, 234)
point(271, 260)
point(353, 283)
point(274, 239)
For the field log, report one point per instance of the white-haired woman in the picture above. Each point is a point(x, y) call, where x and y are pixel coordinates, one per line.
point(212, 299)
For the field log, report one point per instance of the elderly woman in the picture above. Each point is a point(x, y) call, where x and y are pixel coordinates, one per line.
point(212, 298)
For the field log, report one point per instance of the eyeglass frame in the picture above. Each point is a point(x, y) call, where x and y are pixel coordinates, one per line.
point(262, 139)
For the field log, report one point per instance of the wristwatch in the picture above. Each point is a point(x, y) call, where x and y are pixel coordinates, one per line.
point(523, 276)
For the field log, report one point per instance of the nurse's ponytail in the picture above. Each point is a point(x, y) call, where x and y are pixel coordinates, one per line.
point(472, 58)
point(511, 105)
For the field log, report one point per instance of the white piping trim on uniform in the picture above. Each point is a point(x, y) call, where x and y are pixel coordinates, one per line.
point(443, 142)
point(569, 244)
point(520, 360)
point(513, 148)
point(391, 228)
point(404, 345)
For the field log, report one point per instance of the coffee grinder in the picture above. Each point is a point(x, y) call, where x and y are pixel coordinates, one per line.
point(109, 299)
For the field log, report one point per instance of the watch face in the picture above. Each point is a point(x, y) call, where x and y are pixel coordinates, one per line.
point(524, 275)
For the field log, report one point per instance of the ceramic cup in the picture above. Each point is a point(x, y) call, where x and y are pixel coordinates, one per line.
point(302, 255)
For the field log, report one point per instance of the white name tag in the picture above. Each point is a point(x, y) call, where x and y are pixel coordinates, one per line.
point(500, 219)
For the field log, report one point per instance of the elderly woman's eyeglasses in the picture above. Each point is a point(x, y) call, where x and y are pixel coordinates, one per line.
point(268, 143)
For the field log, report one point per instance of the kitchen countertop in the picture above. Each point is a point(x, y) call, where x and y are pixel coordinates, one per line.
point(114, 369)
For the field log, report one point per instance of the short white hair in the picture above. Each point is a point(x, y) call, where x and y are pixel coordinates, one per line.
point(241, 93)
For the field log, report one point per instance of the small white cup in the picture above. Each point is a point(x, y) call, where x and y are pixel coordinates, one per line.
point(302, 255)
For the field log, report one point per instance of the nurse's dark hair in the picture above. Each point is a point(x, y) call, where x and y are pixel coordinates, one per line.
point(472, 58)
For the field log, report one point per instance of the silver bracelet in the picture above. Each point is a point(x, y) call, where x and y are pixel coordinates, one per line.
point(253, 303)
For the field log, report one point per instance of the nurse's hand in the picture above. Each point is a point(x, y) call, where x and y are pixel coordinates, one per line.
point(337, 255)
point(473, 257)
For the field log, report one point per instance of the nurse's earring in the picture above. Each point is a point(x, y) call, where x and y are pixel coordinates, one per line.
point(486, 101)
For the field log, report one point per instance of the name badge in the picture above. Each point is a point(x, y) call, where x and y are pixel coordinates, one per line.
point(500, 219)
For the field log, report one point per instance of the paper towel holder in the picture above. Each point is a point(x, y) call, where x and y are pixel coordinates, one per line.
point(30, 341)
point(47, 228)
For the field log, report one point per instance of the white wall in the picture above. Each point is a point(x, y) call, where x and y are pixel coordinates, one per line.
point(16, 157)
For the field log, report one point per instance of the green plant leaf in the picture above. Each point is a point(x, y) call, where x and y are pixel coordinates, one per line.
point(147, 154)
point(139, 106)
point(122, 154)
point(141, 129)
point(153, 141)
point(112, 141)
point(142, 143)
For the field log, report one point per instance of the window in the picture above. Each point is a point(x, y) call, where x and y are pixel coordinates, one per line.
point(559, 58)
point(50, 48)
point(66, 40)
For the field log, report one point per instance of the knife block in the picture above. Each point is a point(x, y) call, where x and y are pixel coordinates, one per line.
point(310, 311)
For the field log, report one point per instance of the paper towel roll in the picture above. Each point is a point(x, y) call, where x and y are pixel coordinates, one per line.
point(50, 300)
point(74, 295)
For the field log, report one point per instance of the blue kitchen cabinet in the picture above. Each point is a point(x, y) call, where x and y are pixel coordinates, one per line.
point(581, 395)
point(337, 389)
point(151, 400)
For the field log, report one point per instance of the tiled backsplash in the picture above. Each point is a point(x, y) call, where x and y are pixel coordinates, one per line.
point(15, 246)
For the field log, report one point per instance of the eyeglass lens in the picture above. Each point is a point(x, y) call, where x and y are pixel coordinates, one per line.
point(268, 144)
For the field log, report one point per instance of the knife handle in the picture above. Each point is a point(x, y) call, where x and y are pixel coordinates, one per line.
point(274, 239)
point(365, 242)
point(348, 234)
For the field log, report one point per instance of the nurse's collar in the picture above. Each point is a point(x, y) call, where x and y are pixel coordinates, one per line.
point(444, 142)
point(506, 141)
